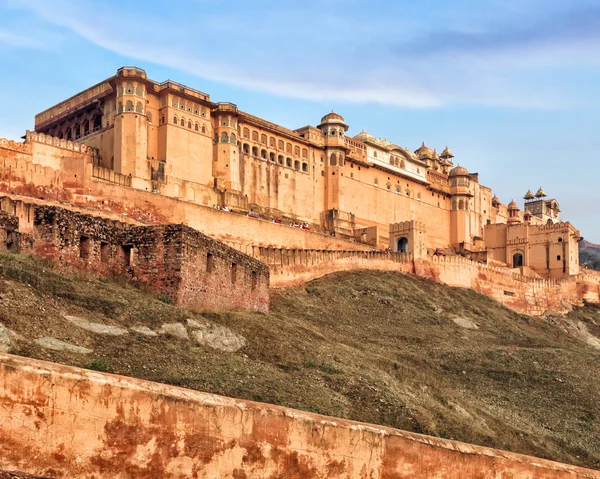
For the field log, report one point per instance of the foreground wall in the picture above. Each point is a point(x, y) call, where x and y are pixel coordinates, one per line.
point(60, 421)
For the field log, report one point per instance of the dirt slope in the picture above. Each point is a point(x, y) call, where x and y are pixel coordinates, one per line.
point(377, 347)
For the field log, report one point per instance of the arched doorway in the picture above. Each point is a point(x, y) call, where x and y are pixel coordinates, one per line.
point(402, 245)
point(517, 260)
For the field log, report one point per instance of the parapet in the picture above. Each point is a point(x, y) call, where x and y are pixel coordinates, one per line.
point(32, 136)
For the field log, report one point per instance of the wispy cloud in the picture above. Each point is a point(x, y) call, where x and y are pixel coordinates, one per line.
point(433, 57)
point(11, 39)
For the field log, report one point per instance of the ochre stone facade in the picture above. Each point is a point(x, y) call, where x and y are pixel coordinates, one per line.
point(61, 421)
point(147, 153)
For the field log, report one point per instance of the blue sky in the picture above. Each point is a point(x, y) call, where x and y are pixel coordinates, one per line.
point(511, 86)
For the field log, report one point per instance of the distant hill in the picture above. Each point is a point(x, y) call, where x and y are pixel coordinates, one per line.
point(589, 255)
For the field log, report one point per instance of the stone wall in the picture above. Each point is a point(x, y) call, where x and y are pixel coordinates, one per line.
point(61, 421)
point(175, 261)
point(528, 295)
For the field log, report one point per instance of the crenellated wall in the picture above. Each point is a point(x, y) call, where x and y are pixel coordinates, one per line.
point(65, 422)
point(525, 294)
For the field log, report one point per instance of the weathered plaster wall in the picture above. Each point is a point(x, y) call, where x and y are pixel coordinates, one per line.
point(60, 421)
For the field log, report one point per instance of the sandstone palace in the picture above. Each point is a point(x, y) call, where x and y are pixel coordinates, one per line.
point(306, 202)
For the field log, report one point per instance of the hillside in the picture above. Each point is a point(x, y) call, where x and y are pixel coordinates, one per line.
point(377, 347)
point(589, 255)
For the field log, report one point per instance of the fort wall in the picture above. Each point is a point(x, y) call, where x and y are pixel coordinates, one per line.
point(61, 421)
point(525, 294)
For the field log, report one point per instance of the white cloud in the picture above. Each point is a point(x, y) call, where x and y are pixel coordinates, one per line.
point(320, 51)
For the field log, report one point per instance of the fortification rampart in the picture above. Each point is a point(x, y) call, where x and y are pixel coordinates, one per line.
point(61, 421)
point(529, 295)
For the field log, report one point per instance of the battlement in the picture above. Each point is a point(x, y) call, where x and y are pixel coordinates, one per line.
point(34, 137)
point(16, 146)
point(407, 225)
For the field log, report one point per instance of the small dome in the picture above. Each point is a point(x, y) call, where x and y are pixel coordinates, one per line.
point(424, 152)
point(332, 117)
point(528, 195)
point(540, 193)
point(458, 171)
point(513, 206)
point(446, 153)
point(495, 200)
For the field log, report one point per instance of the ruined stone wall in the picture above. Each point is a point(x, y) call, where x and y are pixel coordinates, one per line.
point(171, 260)
point(60, 421)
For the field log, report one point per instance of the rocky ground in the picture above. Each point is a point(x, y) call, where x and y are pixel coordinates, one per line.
point(378, 347)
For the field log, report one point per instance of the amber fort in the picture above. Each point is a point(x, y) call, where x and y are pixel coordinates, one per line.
point(131, 155)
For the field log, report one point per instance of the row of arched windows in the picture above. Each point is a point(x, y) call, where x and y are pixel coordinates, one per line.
point(277, 159)
point(460, 205)
point(274, 143)
point(182, 122)
point(189, 107)
point(131, 88)
point(225, 138)
point(139, 108)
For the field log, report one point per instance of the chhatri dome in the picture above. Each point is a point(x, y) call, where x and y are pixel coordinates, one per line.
point(540, 193)
point(332, 118)
point(495, 200)
point(513, 206)
point(424, 151)
point(446, 153)
point(528, 195)
point(458, 171)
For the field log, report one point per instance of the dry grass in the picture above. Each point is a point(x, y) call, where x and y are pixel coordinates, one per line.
point(377, 347)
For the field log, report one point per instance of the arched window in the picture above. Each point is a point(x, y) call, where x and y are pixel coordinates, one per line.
point(517, 260)
point(333, 160)
point(224, 137)
point(454, 204)
point(280, 159)
point(272, 157)
point(191, 194)
point(233, 139)
point(305, 167)
point(139, 90)
point(246, 148)
point(263, 139)
point(174, 102)
point(272, 142)
point(162, 120)
point(255, 151)
point(288, 148)
point(246, 133)
point(189, 124)
point(263, 154)
point(129, 105)
point(120, 108)
point(175, 121)
point(461, 205)
point(203, 129)
point(560, 239)
point(280, 144)
point(304, 153)
point(182, 122)
point(254, 136)
point(402, 245)
point(129, 88)
point(288, 162)
point(397, 188)
point(196, 127)
point(297, 165)
point(176, 190)
point(376, 181)
point(297, 150)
